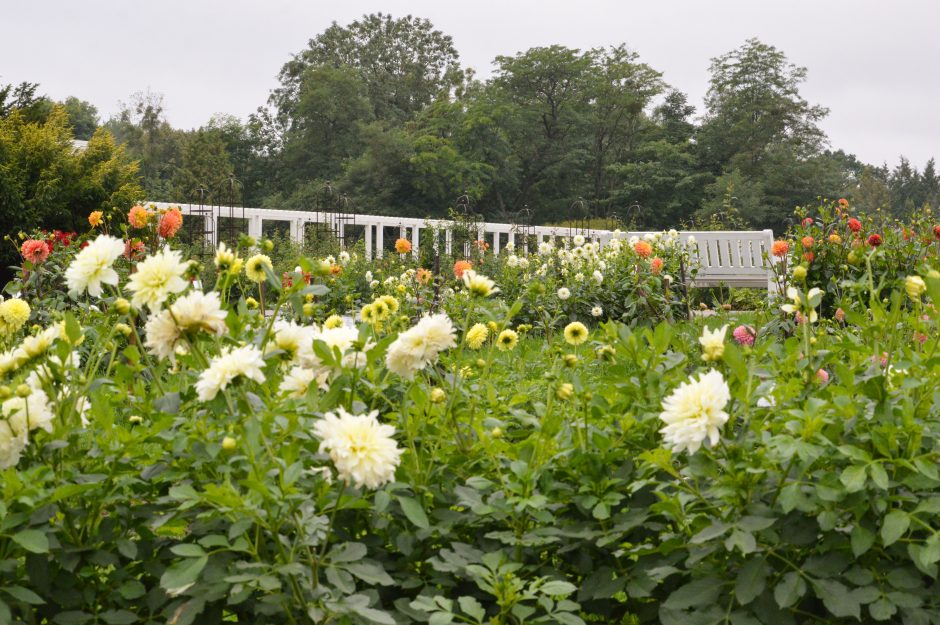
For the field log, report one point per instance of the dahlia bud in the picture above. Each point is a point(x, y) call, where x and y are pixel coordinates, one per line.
point(565, 391)
point(122, 306)
point(438, 395)
point(229, 443)
point(24, 390)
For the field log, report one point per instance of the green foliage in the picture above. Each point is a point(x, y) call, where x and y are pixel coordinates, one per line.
point(45, 182)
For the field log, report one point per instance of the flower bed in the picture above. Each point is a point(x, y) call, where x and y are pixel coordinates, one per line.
point(177, 453)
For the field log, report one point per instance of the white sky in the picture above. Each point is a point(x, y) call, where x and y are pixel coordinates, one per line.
point(872, 62)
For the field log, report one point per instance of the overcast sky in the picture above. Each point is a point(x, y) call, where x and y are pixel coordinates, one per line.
point(872, 62)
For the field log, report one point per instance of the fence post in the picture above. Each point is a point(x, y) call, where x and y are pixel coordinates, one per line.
point(368, 241)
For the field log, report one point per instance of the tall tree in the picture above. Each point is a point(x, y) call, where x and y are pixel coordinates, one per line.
point(404, 64)
point(83, 117)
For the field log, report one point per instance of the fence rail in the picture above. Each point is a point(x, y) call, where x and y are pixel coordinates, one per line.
point(732, 258)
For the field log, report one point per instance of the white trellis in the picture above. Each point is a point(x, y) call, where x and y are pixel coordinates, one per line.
point(731, 258)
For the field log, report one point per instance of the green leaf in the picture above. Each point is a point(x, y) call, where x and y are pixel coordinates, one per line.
point(789, 590)
point(188, 550)
point(23, 594)
point(854, 478)
point(882, 610)
point(118, 617)
point(370, 573)
point(557, 588)
point(862, 540)
point(894, 525)
point(751, 580)
point(472, 607)
point(32, 540)
point(695, 594)
point(837, 598)
point(879, 476)
point(414, 512)
point(183, 574)
point(347, 552)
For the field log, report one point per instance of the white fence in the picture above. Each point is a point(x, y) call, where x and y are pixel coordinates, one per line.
point(732, 258)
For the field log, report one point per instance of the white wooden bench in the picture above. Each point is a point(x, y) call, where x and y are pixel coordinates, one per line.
point(729, 258)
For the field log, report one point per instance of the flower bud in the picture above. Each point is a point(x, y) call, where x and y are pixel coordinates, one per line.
point(122, 306)
point(799, 273)
point(252, 303)
point(481, 363)
point(123, 329)
point(565, 391)
point(438, 395)
point(24, 390)
point(496, 432)
point(309, 309)
point(135, 419)
point(570, 360)
point(5, 392)
point(229, 443)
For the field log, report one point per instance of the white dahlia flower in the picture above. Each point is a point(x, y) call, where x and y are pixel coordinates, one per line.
point(93, 266)
point(157, 277)
point(226, 367)
point(363, 450)
point(695, 411)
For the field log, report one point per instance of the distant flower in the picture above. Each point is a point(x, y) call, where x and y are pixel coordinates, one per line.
point(157, 277)
point(225, 368)
point(419, 346)
point(744, 335)
point(227, 260)
point(14, 313)
point(507, 340)
point(461, 266)
point(564, 391)
point(255, 268)
point(915, 287)
point(713, 343)
point(423, 276)
point(363, 450)
point(170, 223)
point(835, 238)
point(195, 312)
point(823, 376)
point(32, 412)
point(92, 266)
point(297, 381)
point(333, 321)
point(874, 240)
point(134, 249)
point(563, 293)
point(576, 333)
point(476, 335)
point(854, 224)
point(809, 256)
point(656, 266)
point(597, 311)
point(780, 248)
point(936, 232)
point(95, 218)
point(642, 249)
point(478, 284)
point(598, 277)
point(12, 445)
point(807, 221)
point(138, 216)
point(344, 257)
point(840, 315)
point(402, 246)
point(695, 412)
point(806, 242)
point(843, 203)
point(34, 250)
